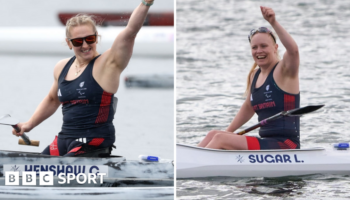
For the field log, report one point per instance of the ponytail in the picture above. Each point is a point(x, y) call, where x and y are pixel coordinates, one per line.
point(249, 80)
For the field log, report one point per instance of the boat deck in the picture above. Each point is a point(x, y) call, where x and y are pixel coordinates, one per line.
point(270, 150)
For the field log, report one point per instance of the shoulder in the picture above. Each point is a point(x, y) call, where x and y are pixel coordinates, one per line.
point(286, 69)
point(106, 60)
point(251, 78)
point(104, 56)
point(59, 67)
point(100, 62)
point(253, 74)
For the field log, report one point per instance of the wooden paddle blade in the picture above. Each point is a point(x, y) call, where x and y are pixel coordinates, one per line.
point(35, 143)
point(303, 110)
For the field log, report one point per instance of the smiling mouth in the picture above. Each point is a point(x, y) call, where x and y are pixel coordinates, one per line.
point(261, 57)
point(85, 51)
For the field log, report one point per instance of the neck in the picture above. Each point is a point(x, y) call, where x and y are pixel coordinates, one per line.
point(267, 68)
point(81, 62)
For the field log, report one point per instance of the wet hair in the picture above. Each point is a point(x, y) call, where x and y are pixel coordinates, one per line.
point(254, 66)
point(81, 19)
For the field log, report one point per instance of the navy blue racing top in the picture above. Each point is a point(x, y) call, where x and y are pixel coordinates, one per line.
point(87, 109)
point(268, 100)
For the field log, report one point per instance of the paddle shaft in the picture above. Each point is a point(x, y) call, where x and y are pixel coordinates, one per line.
point(290, 113)
point(262, 122)
point(24, 136)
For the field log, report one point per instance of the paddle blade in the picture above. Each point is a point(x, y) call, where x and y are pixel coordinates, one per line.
point(8, 120)
point(32, 142)
point(303, 110)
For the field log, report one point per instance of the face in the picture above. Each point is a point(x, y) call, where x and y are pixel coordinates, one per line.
point(264, 49)
point(85, 51)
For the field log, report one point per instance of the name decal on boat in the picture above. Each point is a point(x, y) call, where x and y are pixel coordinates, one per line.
point(58, 169)
point(240, 159)
point(274, 158)
point(270, 158)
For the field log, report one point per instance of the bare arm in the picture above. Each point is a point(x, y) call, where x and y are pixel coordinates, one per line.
point(290, 62)
point(122, 48)
point(46, 108)
point(244, 114)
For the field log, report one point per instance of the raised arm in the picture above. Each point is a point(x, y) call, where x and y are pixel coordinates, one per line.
point(290, 61)
point(121, 50)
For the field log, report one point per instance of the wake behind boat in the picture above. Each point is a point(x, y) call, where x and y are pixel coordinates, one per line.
point(194, 162)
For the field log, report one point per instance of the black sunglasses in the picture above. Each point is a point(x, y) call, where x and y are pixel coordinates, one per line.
point(77, 42)
point(260, 30)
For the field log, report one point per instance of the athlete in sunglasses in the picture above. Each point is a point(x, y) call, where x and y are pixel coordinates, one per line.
point(85, 86)
point(272, 87)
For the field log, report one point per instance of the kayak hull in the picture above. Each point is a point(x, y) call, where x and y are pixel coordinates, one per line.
point(194, 162)
point(119, 171)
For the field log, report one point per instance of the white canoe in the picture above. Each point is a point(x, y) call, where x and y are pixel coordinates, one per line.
point(192, 162)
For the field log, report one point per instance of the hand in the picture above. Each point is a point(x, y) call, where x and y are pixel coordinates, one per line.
point(268, 14)
point(24, 127)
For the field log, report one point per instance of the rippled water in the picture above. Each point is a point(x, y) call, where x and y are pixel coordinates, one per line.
point(213, 59)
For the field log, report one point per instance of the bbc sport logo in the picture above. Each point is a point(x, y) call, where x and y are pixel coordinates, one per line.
point(63, 174)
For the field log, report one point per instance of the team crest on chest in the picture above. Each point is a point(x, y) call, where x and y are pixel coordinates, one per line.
point(81, 90)
point(268, 93)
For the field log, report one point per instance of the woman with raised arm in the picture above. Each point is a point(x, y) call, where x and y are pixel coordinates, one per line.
point(271, 88)
point(85, 86)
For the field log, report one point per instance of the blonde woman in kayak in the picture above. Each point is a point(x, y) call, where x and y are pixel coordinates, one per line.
point(272, 86)
point(85, 86)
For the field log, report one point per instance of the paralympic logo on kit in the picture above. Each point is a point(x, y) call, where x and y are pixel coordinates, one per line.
point(48, 174)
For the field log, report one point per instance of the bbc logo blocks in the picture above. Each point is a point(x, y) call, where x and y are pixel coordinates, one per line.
point(28, 178)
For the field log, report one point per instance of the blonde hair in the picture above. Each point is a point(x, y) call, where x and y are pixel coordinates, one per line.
point(254, 66)
point(81, 19)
